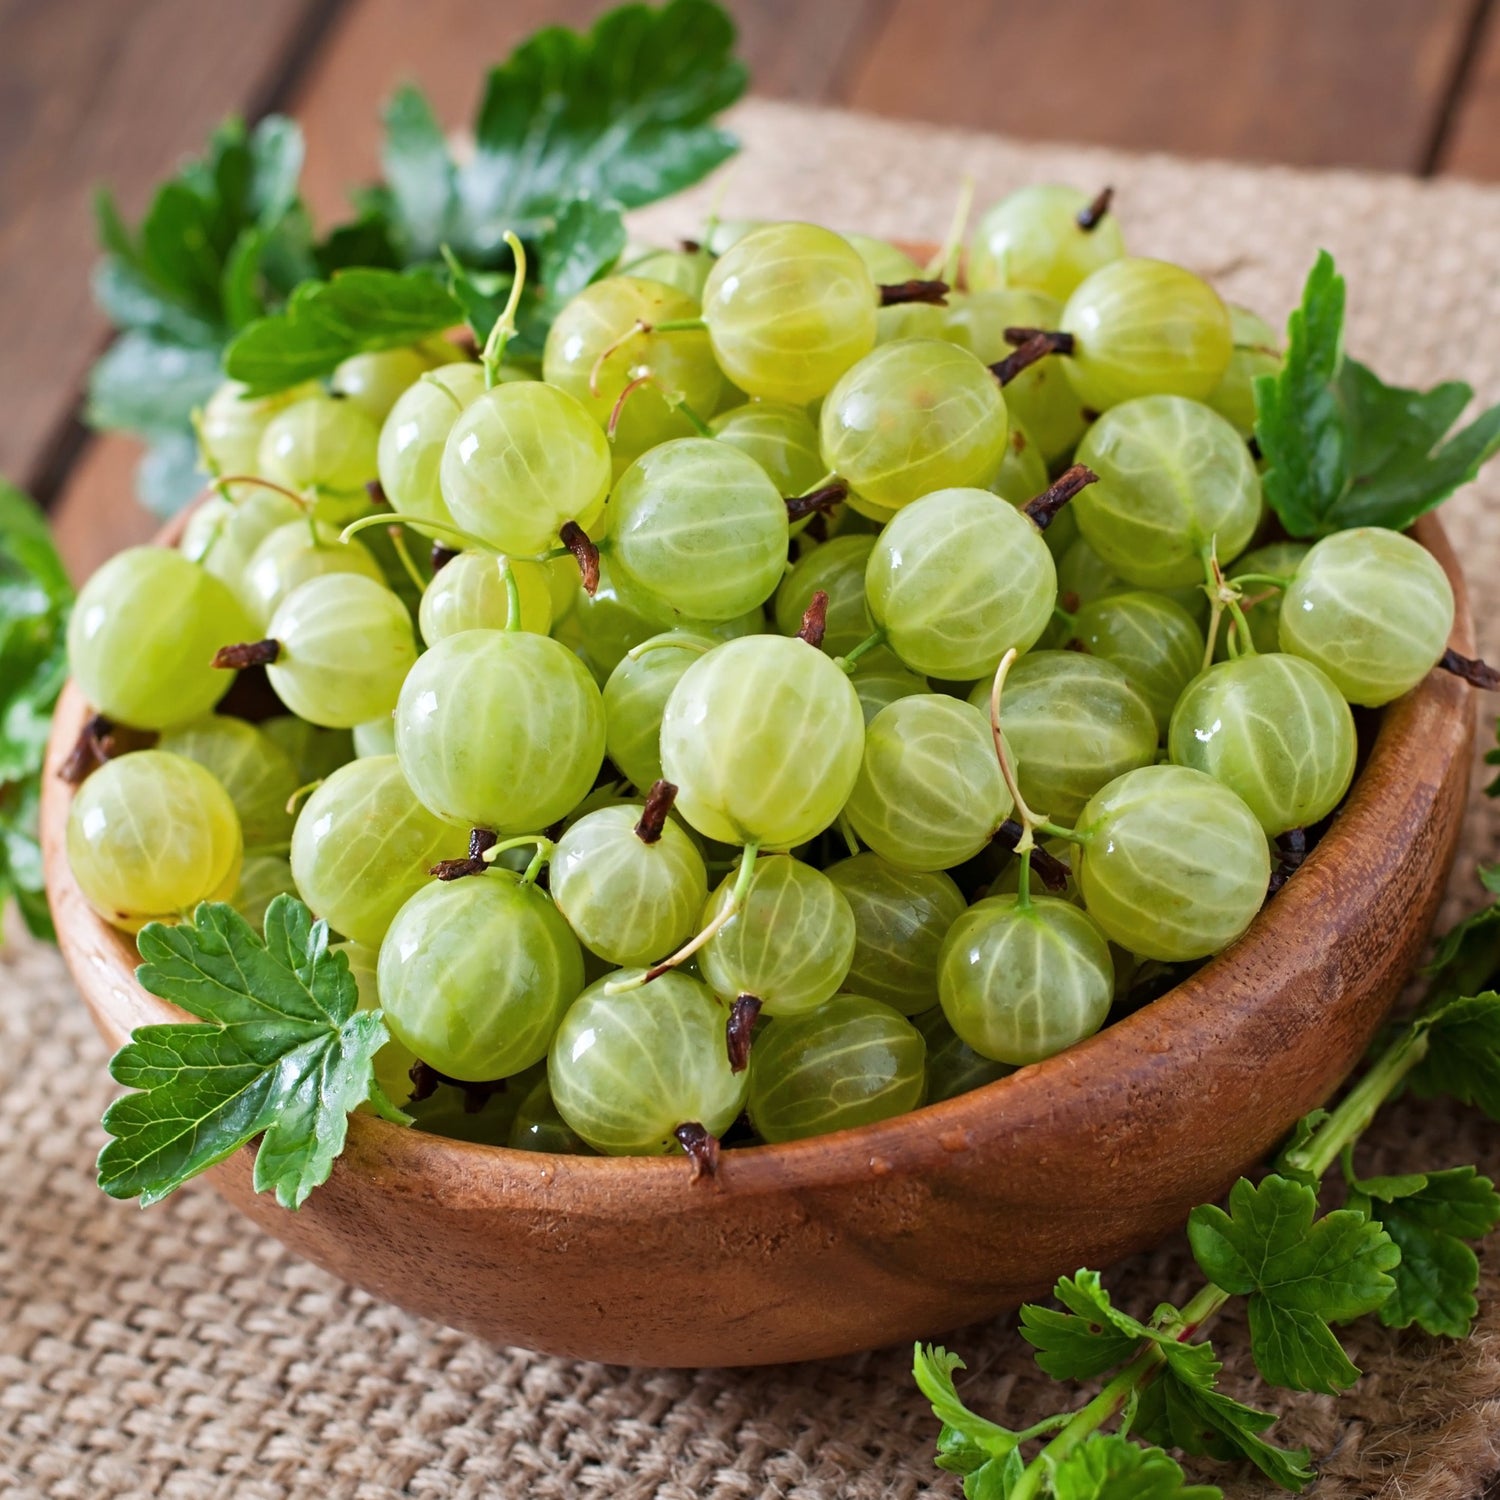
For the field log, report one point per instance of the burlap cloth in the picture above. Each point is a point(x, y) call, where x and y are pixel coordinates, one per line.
point(179, 1352)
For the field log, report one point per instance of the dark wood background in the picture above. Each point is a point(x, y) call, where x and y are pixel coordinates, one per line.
point(119, 90)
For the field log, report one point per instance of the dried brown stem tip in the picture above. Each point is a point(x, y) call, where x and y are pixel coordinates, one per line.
point(738, 1030)
point(659, 802)
point(701, 1147)
point(480, 839)
point(1088, 218)
point(1477, 673)
point(442, 556)
point(1048, 868)
point(815, 620)
point(425, 1080)
point(585, 554)
point(1038, 346)
point(1044, 508)
point(896, 293)
point(247, 654)
point(376, 491)
point(100, 740)
point(821, 500)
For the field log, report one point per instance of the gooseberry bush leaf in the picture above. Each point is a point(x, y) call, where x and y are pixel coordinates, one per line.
point(35, 600)
point(1463, 1052)
point(1344, 449)
point(327, 321)
point(1089, 1338)
point(1300, 1274)
point(1110, 1467)
point(1428, 1216)
point(572, 129)
point(280, 1050)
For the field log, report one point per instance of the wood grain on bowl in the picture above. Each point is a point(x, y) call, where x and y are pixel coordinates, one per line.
point(916, 1225)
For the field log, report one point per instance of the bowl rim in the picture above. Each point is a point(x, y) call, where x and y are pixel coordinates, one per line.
point(411, 1163)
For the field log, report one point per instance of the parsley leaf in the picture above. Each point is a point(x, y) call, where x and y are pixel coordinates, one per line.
point(1468, 957)
point(327, 321)
point(623, 113)
point(285, 1052)
point(35, 598)
point(1110, 1467)
point(1429, 1215)
point(1300, 1273)
point(1463, 1052)
point(1343, 448)
point(967, 1442)
point(1182, 1409)
point(1091, 1337)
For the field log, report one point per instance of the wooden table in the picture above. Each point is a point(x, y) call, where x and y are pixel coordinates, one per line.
point(118, 90)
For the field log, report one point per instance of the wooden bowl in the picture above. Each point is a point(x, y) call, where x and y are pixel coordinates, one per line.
point(916, 1225)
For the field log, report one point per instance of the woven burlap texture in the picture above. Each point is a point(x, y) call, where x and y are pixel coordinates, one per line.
point(180, 1353)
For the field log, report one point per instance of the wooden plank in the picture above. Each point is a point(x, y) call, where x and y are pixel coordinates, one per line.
point(1471, 145)
point(1334, 83)
point(794, 49)
point(99, 90)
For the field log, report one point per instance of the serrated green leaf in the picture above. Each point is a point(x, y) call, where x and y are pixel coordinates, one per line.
point(973, 1439)
point(1288, 1159)
point(1344, 449)
point(1300, 1273)
point(1110, 1467)
point(280, 1049)
point(1092, 1336)
point(1463, 1053)
point(169, 474)
point(995, 1479)
point(1467, 959)
point(1298, 422)
point(583, 243)
point(147, 384)
point(419, 173)
point(1181, 1411)
point(1429, 1216)
point(327, 321)
point(35, 599)
point(622, 113)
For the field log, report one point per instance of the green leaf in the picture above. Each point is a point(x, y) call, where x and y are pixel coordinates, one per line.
point(35, 599)
point(1343, 448)
point(282, 1050)
point(1463, 1053)
point(1429, 1216)
point(327, 321)
point(1287, 1163)
point(1092, 1336)
point(169, 474)
point(420, 174)
point(1110, 1467)
point(147, 384)
point(1181, 1409)
point(1468, 957)
point(623, 113)
point(968, 1441)
point(1300, 1273)
point(583, 243)
point(995, 1479)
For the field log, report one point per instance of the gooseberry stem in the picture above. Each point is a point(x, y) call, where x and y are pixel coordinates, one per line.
point(404, 557)
point(680, 325)
point(870, 643)
point(1030, 821)
point(917, 289)
point(661, 643)
point(730, 910)
point(1037, 344)
point(266, 484)
point(424, 527)
point(505, 325)
point(1043, 508)
point(1089, 218)
point(674, 399)
point(585, 554)
point(545, 847)
point(846, 831)
point(430, 376)
point(945, 262)
point(512, 594)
